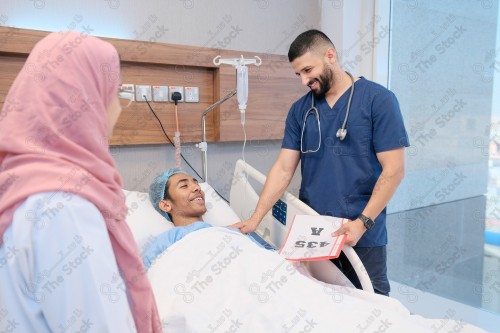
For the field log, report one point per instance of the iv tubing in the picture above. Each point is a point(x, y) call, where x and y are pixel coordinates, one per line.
point(176, 119)
point(203, 144)
point(177, 141)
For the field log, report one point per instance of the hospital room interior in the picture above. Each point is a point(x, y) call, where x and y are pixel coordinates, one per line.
point(440, 58)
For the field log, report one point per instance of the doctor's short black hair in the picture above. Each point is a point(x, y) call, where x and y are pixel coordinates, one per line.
point(308, 41)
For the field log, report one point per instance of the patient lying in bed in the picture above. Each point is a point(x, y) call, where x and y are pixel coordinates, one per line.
point(179, 198)
point(216, 280)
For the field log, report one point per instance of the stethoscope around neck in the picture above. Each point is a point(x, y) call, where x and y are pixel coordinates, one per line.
point(341, 132)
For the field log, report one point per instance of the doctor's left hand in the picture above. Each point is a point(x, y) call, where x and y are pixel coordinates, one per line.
point(354, 230)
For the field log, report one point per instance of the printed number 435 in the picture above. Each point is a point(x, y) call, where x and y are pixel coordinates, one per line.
point(310, 244)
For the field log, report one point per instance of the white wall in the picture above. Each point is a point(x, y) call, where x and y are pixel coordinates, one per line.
point(360, 31)
point(267, 26)
point(258, 25)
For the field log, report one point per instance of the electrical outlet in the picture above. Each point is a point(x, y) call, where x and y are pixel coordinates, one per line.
point(172, 89)
point(141, 91)
point(127, 91)
point(160, 93)
point(192, 94)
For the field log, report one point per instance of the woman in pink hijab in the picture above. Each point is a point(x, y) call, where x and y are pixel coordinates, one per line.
point(68, 261)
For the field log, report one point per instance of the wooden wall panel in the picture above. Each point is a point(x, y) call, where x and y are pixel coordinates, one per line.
point(137, 124)
point(9, 67)
point(272, 89)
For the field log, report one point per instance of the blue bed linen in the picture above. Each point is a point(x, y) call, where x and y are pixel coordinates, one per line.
point(169, 237)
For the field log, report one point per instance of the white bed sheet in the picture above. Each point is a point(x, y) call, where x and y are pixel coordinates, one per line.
point(211, 281)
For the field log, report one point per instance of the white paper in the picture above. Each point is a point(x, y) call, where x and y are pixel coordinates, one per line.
point(310, 238)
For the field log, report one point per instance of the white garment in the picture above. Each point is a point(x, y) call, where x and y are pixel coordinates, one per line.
point(58, 272)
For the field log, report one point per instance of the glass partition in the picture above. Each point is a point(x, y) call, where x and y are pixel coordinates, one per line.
point(444, 222)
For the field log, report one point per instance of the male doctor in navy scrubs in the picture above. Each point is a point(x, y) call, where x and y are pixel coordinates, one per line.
point(354, 177)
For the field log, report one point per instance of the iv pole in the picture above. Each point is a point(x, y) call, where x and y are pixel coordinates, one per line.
point(203, 144)
point(242, 84)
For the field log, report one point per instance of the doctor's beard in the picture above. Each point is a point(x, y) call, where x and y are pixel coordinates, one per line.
point(325, 82)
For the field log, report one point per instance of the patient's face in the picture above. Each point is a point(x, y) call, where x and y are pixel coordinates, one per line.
point(186, 200)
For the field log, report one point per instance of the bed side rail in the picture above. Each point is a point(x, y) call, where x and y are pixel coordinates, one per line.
point(274, 226)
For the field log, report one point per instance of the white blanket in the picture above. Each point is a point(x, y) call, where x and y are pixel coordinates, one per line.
point(216, 280)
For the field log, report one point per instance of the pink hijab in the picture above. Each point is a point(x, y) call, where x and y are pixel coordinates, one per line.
point(53, 137)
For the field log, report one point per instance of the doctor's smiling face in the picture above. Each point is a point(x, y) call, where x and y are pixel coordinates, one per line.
point(315, 71)
point(184, 200)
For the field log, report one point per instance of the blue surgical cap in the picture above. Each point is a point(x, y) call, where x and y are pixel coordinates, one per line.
point(157, 189)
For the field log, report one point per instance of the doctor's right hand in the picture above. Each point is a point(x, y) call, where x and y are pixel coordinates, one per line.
point(246, 226)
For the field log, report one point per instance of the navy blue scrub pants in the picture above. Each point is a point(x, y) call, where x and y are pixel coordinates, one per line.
point(375, 261)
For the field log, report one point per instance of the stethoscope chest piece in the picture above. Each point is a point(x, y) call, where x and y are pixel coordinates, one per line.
point(341, 132)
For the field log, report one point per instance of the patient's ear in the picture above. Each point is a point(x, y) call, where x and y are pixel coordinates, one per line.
point(165, 205)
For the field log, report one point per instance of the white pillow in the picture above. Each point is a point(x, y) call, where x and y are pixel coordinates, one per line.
point(218, 211)
point(146, 223)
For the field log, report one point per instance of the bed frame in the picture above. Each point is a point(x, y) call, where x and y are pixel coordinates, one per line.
point(275, 225)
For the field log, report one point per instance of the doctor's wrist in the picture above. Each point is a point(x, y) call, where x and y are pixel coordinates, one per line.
point(367, 222)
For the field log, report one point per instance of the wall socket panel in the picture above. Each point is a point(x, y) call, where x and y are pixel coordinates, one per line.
point(192, 94)
point(127, 91)
point(172, 89)
point(160, 93)
point(141, 91)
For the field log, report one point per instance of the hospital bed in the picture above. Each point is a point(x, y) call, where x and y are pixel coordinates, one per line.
point(146, 223)
point(216, 280)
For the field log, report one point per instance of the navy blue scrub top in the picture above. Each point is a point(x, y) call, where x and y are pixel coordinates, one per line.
point(338, 180)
